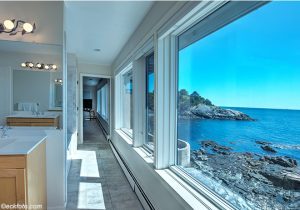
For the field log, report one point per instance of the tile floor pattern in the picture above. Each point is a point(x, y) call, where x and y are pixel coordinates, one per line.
point(105, 188)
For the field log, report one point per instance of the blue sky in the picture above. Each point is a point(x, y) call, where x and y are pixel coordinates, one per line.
point(252, 62)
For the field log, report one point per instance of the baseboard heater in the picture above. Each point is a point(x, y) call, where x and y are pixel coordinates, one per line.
point(136, 184)
point(102, 128)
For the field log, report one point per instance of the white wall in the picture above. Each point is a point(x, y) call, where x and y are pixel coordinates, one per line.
point(94, 69)
point(48, 17)
point(157, 16)
point(5, 94)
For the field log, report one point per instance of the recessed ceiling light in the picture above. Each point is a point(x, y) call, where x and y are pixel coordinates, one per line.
point(97, 50)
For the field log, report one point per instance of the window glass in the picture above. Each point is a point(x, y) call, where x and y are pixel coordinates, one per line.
point(103, 102)
point(238, 118)
point(150, 102)
point(127, 103)
point(103, 99)
point(98, 101)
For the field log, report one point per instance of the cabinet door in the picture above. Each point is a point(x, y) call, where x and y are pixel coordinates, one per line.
point(12, 185)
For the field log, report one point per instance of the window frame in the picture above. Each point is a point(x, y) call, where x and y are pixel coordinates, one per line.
point(167, 84)
point(119, 106)
point(102, 101)
point(145, 146)
point(98, 101)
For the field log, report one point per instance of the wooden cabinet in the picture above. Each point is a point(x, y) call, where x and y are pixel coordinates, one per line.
point(23, 178)
point(22, 121)
point(12, 182)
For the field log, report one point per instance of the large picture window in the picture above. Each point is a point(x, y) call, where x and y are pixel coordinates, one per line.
point(127, 103)
point(103, 102)
point(149, 142)
point(238, 111)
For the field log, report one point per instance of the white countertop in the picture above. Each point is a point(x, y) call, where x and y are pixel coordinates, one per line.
point(20, 145)
point(48, 116)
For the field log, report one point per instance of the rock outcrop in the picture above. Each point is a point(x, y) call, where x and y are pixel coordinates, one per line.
point(269, 182)
point(203, 111)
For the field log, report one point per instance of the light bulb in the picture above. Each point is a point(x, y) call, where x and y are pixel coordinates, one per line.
point(38, 65)
point(23, 65)
point(9, 24)
point(46, 67)
point(30, 65)
point(28, 27)
point(54, 67)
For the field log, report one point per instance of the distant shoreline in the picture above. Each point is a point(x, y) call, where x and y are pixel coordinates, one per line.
point(233, 107)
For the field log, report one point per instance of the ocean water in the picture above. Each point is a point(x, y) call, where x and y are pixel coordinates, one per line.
point(279, 127)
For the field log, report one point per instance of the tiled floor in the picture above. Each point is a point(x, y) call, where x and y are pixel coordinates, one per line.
point(96, 181)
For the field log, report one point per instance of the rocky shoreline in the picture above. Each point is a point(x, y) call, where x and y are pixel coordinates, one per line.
point(266, 181)
point(203, 111)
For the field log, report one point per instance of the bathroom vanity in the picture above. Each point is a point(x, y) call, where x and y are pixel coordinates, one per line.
point(48, 119)
point(23, 170)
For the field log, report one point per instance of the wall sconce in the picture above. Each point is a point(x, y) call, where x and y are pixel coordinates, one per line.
point(58, 81)
point(12, 27)
point(40, 66)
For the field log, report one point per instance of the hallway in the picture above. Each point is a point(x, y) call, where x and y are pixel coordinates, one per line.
point(96, 181)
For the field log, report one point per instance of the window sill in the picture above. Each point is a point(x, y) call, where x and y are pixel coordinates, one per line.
point(145, 155)
point(176, 180)
point(192, 197)
point(124, 136)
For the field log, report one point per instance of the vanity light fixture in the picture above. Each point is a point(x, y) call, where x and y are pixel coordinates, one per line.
point(58, 81)
point(53, 66)
point(30, 65)
point(12, 27)
point(40, 66)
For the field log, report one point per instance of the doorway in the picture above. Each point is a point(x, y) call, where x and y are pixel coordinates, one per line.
point(95, 101)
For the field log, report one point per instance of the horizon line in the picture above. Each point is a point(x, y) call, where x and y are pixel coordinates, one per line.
point(291, 109)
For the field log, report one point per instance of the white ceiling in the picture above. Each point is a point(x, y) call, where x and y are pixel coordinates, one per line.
point(90, 81)
point(103, 25)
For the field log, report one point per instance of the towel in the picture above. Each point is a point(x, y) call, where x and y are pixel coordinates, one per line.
point(27, 106)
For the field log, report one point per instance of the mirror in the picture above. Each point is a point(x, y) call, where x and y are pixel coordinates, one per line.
point(28, 87)
point(56, 90)
point(46, 91)
point(58, 95)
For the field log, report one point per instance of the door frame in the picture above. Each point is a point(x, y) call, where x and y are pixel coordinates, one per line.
point(80, 124)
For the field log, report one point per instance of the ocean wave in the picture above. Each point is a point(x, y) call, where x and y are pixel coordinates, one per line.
point(286, 146)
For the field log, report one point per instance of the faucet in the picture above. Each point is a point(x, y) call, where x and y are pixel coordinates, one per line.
point(4, 132)
point(36, 111)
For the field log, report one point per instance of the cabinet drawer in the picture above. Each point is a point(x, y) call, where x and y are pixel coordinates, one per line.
point(14, 161)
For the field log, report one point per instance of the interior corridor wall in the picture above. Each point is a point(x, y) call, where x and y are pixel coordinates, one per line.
point(160, 194)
